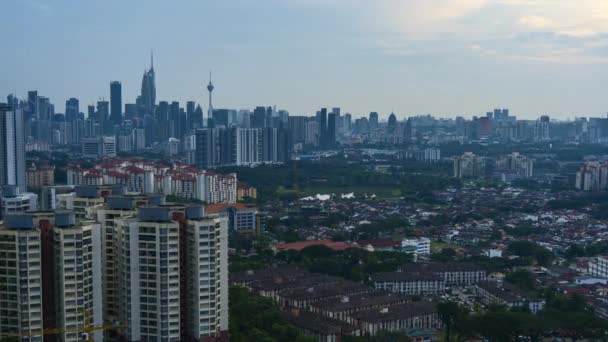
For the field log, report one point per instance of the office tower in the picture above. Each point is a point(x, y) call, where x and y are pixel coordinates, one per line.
point(12, 101)
point(297, 126)
point(220, 117)
point(31, 110)
point(12, 147)
point(258, 118)
point(72, 109)
point(193, 121)
point(373, 121)
point(57, 264)
point(205, 152)
point(46, 110)
point(147, 98)
point(103, 113)
point(176, 289)
point(198, 114)
point(91, 114)
point(408, 131)
point(331, 127)
point(322, 121)
point(130, 111)
point(183, 123)
point(347, 122)
point(99, 147)
point(115, 103)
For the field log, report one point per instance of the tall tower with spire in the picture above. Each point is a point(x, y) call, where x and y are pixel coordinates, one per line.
point(148, 88)
point(210, 88)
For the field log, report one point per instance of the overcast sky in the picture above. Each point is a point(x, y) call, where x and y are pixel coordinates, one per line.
point(443, 57)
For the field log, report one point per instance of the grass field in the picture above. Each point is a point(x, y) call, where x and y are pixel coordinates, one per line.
point(437, 247)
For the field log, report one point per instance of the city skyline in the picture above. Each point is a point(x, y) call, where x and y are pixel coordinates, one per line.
point(302, 55)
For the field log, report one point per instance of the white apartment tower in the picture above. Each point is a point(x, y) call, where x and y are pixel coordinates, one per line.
point(172, 276)
point(12, 147)
point(55, 266)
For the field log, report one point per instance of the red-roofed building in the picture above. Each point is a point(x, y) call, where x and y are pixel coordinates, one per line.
point(142, 176)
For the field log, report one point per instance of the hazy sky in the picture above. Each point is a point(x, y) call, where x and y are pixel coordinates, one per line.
point(443, 57)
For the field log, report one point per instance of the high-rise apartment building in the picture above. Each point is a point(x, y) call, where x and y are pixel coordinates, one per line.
point(53, 262)
point(115, 207)
point(12, 147)
point(469, 165)
point(172, 278)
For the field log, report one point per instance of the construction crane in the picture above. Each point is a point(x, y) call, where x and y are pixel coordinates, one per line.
point(86, 332)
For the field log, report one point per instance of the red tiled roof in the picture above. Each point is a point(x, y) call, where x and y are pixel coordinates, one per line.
point(117, 174)
point(219, 207)
point(134, 169)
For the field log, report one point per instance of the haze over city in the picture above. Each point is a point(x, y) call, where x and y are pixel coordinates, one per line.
point(443, 57)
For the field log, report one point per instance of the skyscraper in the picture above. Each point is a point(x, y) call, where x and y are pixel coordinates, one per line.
point(103, 113)
point(373, 121)
point(72, 109)
point(148, 89)
point(115, 102)
point(322, 120)
point(12, 147)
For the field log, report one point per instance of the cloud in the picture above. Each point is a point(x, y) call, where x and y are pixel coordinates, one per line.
point(557, 30)
point(534, 22)
point(41, 6)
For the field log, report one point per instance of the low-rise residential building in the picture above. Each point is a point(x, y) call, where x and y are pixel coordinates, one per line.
point(241, 218)
point(416, 315)
point(317, 326)
point(509, 295)
point(453, 273)
point(417, 247)
point(598, 267)
point(425, 284)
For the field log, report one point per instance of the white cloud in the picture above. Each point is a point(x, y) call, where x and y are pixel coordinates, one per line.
point(563, 29)
point(534, 22)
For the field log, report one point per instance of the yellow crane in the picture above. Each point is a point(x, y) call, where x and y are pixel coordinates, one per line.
point(86, 332)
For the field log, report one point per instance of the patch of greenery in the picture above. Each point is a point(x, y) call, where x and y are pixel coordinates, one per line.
point(353, 263)
point(254, 318)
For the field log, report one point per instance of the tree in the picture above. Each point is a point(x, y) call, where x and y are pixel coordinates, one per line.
point(522, 279)
point(254, 318)
point(451, 314)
